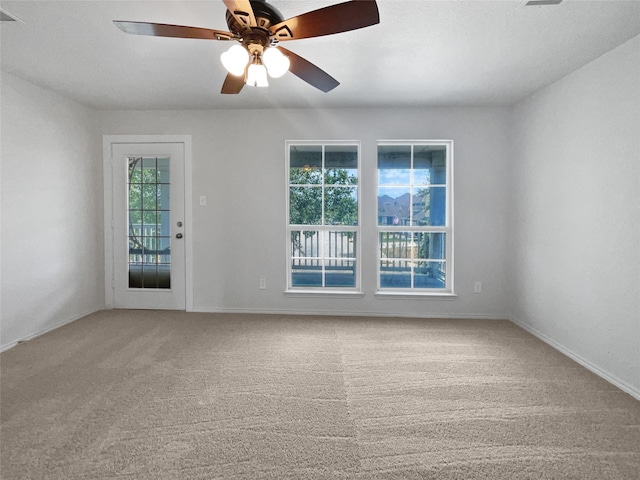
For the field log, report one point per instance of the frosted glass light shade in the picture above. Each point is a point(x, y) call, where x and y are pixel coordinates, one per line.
point(235, 60)
point(257, 75)
point(277, 64)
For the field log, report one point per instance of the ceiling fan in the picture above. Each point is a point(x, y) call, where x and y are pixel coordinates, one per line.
point(259, 28)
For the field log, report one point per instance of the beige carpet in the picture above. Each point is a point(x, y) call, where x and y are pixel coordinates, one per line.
point(161, 395)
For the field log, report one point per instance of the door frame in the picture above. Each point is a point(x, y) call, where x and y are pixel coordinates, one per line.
point(109, 255)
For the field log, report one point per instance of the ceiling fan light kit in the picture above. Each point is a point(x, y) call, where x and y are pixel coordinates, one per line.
point(257, 74)
point(235, 60)
point(277, 64)
point(259, 27)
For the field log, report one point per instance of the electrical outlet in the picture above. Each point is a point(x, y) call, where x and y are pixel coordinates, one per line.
point(263, 283)
point(477, 287)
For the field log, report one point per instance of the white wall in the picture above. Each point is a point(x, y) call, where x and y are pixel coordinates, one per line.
point(52, 260)
point(547, 214)
point(575, 219)
point(239, 164)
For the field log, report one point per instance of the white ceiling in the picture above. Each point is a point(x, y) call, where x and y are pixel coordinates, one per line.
point(423, 52)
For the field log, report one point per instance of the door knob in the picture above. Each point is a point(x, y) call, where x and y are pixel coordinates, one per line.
point(178, 235)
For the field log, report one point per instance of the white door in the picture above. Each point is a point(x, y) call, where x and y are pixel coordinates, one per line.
point(148, 225)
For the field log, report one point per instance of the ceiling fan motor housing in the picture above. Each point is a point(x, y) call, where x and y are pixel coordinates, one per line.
point(266, 15)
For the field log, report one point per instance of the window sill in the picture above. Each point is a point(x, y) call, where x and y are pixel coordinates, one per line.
point(422, 295)
point(324, 293)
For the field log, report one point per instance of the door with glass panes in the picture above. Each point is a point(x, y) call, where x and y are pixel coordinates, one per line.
point(148, 227)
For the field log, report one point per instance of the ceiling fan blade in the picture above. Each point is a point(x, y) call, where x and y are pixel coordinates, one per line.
point(242, 12)
point(329, 20)
point(179, 31)
point(232, 84)
point(308, 72)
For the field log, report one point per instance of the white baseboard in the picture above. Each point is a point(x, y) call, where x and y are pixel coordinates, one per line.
point(622, 385)
point(59, 324)
point(350, 313)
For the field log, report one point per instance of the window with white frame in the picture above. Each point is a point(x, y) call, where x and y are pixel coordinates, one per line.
point(323, 215)
point(415, 232)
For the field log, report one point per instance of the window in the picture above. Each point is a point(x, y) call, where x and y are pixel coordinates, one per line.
point(149, 231)
point(323, 215)
point(414, 217)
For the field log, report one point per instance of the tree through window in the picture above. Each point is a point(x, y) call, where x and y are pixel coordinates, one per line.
point(323, 215)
